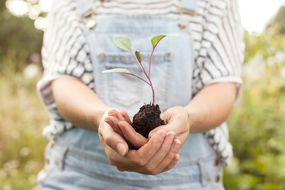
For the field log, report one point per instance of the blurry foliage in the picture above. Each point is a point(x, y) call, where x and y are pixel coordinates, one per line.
point(22, 117)
point(280, 20)
point(257, 126)
point(18, 39)
point(21, 143)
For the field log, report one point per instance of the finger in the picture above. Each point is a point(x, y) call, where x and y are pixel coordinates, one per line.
point(115, 158)
point(114, 140)
point(153, 164)
point(116, 113)
point(172, 163)
point(134, 138)
point(126, 116)
point(171, 125)
point(165, 116)
point(171, 154)
point(177, 127)
point(113, 122)
point(146, 152)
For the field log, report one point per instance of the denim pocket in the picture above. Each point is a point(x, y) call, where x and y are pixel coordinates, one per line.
point(123, 89)
point(127, 90)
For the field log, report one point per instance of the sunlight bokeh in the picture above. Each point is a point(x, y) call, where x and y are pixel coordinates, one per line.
point(17, 7)
point(255, 14)
point(256, 125)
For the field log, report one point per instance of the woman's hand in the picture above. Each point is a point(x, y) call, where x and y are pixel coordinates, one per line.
point(112, 136)
point(116, 132)
point(121, 124)
point(177, 120)
point(158, 155)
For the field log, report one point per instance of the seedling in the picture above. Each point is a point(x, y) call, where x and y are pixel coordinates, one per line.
point(125, 44)
point(148, 116)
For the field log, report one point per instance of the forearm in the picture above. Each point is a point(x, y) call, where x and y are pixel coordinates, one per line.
point(211, 106)
point(77, 103)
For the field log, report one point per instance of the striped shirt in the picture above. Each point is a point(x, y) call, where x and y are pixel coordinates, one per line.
point(218, 51)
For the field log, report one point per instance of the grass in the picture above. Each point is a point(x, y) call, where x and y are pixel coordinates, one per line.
point(21, 142)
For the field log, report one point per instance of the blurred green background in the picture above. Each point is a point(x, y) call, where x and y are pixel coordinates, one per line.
point(257, 125)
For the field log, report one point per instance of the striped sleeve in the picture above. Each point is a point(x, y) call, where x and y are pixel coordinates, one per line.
point(220, 54)
point(65, 51)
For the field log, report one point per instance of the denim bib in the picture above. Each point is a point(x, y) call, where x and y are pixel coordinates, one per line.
point(79, 152)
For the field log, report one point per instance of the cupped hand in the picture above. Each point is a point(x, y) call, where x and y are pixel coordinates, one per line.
point(158, 155)
point(177, 120)
point(112, 136)
point(121, 124)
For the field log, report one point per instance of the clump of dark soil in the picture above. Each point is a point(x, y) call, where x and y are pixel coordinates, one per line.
point(147, 119)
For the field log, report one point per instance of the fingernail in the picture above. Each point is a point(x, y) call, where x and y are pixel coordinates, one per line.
point(121, 149)
point(177, 156)
point(162, 132)
point(151, 134)
point(177, 141)
point(170, 133)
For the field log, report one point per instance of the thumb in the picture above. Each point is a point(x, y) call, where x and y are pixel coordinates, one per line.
point(154, 131)
point(134, 138)
point(113, 139)
point(165, 117)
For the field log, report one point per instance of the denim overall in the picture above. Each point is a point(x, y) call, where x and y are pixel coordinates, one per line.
point(76, 160)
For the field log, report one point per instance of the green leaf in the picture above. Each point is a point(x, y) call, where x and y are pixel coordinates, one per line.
point(123, 43)
point(139, 56)
point(156, 39)
point(117, 70)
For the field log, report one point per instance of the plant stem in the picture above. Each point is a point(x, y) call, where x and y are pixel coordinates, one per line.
point(150, 61)
point(153, 93)
point(140, 65)
point(147, 76)
point(149, 69)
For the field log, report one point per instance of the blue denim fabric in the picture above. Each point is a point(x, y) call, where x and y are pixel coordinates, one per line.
point(76, 160)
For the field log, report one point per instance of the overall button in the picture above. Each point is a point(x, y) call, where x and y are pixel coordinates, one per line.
point(168, 56)
point(87, 14)
point(216, 162)
point(182, 24)
point(217, 178)
point(91, 24)
point(101, 56)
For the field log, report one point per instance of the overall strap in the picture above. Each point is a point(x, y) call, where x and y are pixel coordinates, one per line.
point(189, 4)
point(189, 7)
point(85, 8)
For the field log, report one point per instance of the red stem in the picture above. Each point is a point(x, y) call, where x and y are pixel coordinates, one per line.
point(140, 64)
point(150, 60)
point(147, 76)
point(153, 93)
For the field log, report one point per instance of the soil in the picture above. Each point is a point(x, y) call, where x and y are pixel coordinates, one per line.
point(147, 119)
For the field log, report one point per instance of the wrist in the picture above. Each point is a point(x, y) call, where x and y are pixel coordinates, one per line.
point(190, 117)
point(97, 116)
